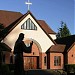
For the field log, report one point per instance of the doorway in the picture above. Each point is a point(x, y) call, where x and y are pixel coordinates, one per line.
point(31, 62)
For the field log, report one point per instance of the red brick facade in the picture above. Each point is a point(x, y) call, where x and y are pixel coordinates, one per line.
point(36, 57)
point(71, 55)
point(7, 57)
point(39, 60)
point(50, 61)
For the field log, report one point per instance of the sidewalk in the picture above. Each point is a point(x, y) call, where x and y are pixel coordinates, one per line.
point(39, 72)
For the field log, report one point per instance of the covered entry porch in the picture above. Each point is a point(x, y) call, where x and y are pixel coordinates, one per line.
point(35, 59)
point(31, 60)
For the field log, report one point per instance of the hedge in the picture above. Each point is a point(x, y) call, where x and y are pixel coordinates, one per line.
point(11, 66)
point(70, 68)
point(4, 69)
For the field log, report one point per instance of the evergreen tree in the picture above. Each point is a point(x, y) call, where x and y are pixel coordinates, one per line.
point(63, 31)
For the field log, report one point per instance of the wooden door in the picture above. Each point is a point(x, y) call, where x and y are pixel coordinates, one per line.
point(30, 62)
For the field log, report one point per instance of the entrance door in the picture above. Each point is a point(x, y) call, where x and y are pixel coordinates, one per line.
point(31, 62)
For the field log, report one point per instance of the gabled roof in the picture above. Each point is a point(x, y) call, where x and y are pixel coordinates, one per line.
point(4, 47)
point(8, 29)
point(46, 27)
point(71, 47)
point(56, 48)
point(8, 17)
point(68, 41)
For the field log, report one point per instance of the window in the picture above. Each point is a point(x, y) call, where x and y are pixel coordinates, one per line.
point(57, 60)
point(3, 58)
point(11, 59)
point(28, 25)
point(45, 60)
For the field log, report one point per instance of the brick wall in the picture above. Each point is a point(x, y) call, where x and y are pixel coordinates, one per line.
point(52, 61)
point(71, 55)
point(7, 58)
point(42, 63)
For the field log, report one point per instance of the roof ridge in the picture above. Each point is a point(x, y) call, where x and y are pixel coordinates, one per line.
point(11, 26)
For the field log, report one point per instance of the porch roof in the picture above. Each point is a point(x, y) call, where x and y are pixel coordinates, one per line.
point(58, 48)
point(4, 47)
point(68, 41)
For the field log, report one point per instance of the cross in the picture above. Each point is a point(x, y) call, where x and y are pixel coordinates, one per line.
point(28, 3)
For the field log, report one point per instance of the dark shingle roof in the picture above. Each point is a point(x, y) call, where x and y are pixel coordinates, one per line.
point(56, 48)
point(4, 47)
point(68, 41)
point(46, 27)
point(71, 47)
point(8, 17)
point(9, 28)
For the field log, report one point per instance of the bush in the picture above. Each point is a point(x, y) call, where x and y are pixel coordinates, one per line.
point(70, 68)
point(4, 70)
point(11, 66)
point(62, 72)
point(54, 72)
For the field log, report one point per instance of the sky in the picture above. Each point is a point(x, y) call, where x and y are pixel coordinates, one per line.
point(52, 11)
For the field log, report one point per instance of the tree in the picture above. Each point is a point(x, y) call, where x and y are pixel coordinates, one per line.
point(63, 31)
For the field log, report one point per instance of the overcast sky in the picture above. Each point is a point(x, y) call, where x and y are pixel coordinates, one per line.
point(52, 11)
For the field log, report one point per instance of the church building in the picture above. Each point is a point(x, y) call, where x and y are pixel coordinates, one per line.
point(46, 52)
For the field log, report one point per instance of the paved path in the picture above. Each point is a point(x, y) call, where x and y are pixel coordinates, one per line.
point(37, 72)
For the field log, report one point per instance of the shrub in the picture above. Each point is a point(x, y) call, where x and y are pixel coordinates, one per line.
point(54, 72)
point(62, 72)
point(4, 69)
point(70, 68)
point(11, 66)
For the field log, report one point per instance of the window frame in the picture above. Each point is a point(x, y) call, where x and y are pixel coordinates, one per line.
point(28, 25)
point(57, 60)
point(45, 60)
point(3, 58)
point(11, 59)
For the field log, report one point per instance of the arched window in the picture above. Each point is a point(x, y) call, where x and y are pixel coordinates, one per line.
point(28, 25)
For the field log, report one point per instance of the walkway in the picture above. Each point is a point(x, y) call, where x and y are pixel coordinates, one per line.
point(39, 72)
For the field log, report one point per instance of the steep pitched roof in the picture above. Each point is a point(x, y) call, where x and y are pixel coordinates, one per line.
point(71, 47)
point(15, 23)
point(8, 17)
point(56, 48)
point(68, 41)
point(45, 26)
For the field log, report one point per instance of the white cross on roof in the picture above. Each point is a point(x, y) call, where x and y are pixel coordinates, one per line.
point(28, 3)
